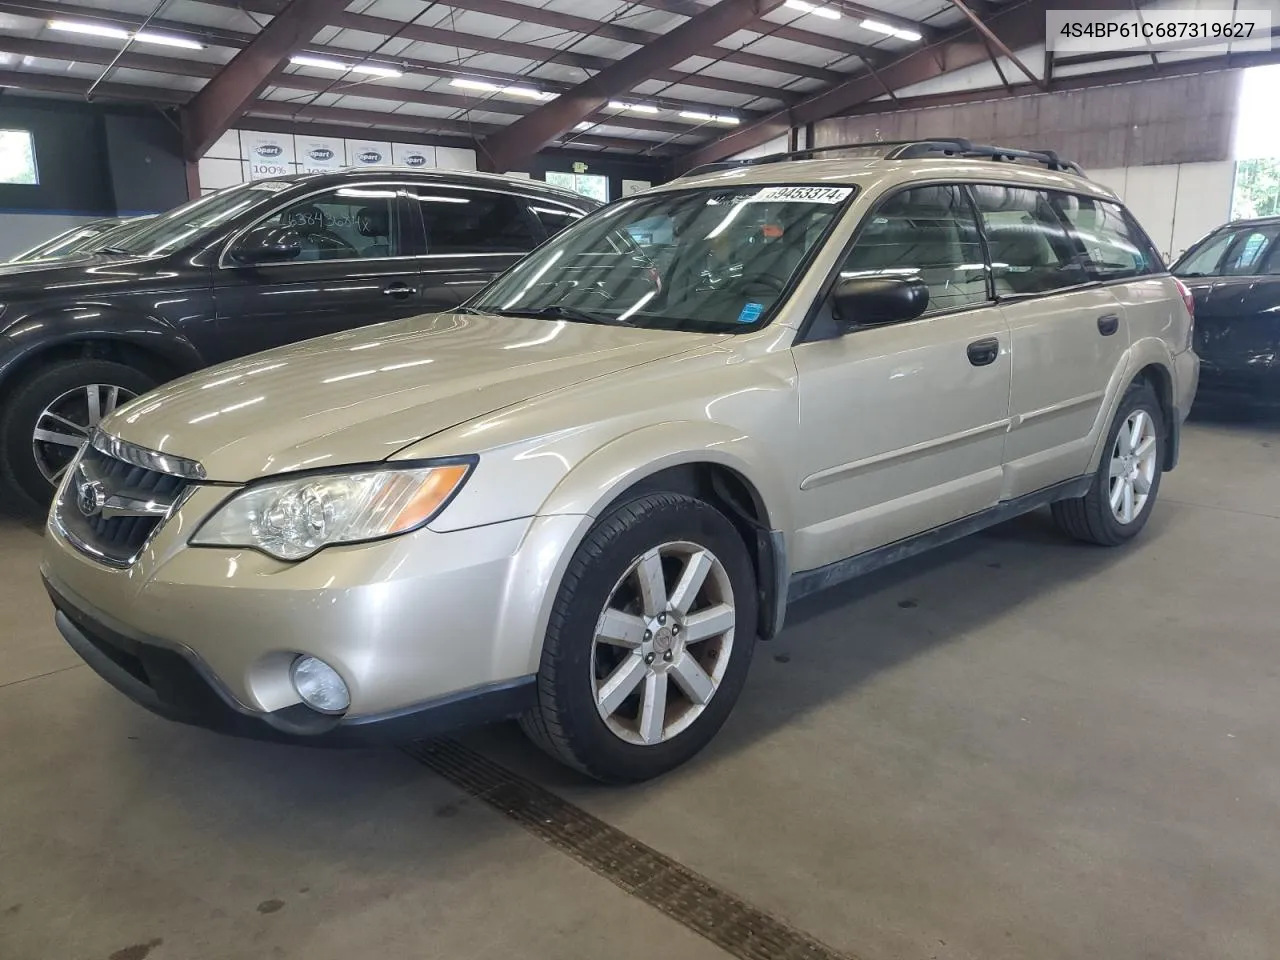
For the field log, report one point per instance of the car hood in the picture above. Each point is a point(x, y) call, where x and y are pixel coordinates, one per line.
point(76, 272)
point(360, 396)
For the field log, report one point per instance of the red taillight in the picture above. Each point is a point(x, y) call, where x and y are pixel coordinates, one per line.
point(1189, 299)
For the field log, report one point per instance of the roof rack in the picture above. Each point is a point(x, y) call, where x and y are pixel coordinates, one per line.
point(908, 150)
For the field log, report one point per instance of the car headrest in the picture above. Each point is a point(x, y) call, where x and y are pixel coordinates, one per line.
point(374, 222)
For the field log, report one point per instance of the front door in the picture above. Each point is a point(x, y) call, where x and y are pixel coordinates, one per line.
point(357, 267)
point(472, 235)
point(903, 426)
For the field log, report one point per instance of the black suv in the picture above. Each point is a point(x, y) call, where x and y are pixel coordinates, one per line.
point(238, 271)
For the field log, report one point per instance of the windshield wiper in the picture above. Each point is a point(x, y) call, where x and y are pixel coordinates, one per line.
point(558, 312)
point(114, 252)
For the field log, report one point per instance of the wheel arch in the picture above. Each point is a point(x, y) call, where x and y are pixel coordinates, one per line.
point(1149, 361)
point(699, 459)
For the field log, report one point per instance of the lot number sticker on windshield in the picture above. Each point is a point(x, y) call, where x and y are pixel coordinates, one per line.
point(802, 194)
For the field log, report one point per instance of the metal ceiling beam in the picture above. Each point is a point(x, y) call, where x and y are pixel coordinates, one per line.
point(221, 101)
point(998, 44)
point(75, 86)
point(1017, 25)
point(860, 12)
point(386, 27)
point(511, 146)
point(511, 10)
point(849, 48)
point(46, 9)
point(380, 90)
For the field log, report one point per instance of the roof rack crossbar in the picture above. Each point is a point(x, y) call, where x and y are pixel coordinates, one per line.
point(908, 150)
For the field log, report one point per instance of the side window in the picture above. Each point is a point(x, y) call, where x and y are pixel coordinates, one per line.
point(1030, 250)
point(473, 221)
point(1246, 255)
point(554, 218)
point(1113, 247)
point(929, 233)
point(344, 224)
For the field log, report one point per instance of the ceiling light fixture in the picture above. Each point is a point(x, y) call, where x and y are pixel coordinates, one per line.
point(889, 31)
point(92, 29)
point(824, 12)
point(167, 40)
point(305, 60)
point(633, 107)
point(709, 117)
point(531, 93)
point(119, 33)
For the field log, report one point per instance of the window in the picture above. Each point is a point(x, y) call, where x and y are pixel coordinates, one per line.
point(1114, 248)
point(1030, 250)
point(18, 157)
point(473, 221)
point(588, 184)
point(554, 219)
point(730, 256)
point(1244, 251)
point(928, 233)
point(348, 223)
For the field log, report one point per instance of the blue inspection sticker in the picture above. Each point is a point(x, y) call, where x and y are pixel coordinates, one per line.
point(751, 313)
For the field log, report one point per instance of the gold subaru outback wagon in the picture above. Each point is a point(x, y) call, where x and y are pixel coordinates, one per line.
point(581, 499)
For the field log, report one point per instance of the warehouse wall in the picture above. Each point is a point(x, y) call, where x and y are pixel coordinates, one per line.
point(93, 161)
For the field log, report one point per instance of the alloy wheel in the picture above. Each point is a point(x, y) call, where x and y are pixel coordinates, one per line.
point(663, 642)
point(1133, 466)
point(64, 425)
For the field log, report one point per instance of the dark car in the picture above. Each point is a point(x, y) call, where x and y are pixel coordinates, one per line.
point(87, 238)
point(238, 271)
point(1234, 275)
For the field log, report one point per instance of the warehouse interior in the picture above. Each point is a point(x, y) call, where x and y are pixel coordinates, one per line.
point(1012, 746)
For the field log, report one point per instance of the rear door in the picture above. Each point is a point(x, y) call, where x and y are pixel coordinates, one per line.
point(470, 236)
point(357, 267)
point(1068, 334)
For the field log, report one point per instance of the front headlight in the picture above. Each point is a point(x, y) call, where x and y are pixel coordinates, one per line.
point(292, 519)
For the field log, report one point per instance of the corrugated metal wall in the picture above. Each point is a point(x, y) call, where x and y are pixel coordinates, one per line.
point(1150, 122)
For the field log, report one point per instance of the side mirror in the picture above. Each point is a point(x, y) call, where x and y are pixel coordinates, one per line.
point(268, 245)
point(874, 301)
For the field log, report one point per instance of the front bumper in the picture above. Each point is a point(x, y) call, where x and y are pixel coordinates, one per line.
point(175, 684)
point(429, 630)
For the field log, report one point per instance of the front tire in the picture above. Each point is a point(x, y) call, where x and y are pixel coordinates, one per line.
point(649, 640)
point(48, 415)
point(1124, 489)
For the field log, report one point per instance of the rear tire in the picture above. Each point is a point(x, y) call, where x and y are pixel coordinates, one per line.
point(1124, 488)
point(63, 401)
point(626, 632)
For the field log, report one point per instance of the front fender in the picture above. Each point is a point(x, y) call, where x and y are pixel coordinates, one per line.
point(597, 481)
point(37, 331)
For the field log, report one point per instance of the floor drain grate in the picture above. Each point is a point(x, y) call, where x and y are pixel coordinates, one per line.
point(732, 924)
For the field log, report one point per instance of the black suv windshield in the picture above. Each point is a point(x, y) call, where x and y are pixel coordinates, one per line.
point(1248, 250)
point(181, 225)
point(709, 260)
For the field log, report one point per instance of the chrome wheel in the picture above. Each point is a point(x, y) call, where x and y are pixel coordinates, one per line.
point(663, 642)
point(1133, 466)
point(63, 426)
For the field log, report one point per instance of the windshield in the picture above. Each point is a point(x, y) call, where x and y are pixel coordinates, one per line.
point(69, 242)
point(710, 260)
point(178, 227)
point(1244, 251)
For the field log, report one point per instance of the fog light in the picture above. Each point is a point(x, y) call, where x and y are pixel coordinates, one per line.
point(319, 685)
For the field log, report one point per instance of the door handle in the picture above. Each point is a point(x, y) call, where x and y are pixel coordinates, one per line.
point(983, 352)
point(1108, 325)
point(399, 290)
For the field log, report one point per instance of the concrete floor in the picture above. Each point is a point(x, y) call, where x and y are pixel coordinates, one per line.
point(1017, 747)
